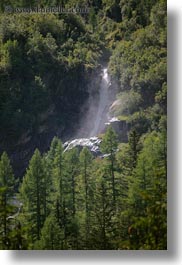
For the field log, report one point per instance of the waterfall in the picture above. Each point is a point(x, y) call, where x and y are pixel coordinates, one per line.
point(94, 121)
point(101, 115)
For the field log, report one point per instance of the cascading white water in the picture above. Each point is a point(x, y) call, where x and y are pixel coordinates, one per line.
point(101, 116)
point(96, 119)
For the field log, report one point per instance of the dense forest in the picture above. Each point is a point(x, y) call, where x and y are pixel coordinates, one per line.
point(52, 199)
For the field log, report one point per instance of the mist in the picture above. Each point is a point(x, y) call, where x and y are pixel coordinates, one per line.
point(96, 112)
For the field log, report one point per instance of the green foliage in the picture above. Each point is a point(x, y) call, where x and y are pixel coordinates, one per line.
point(139, 61)
point(118, 202)
point(92, 18)
point(134, 146)
point(32, 194)
point(7, 207)
point(71, 200)
point(138, 10)
point(51, 235)
point(128, 102)
point(85, 187)
point(161, 98)
point(147, 195)
point(103, 211)
point(109, 143)
point(34, 50)
point(109, 146)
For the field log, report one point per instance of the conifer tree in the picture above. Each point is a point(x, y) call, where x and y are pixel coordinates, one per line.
point(71, 173)
point(134, 146)
point(87, 189)
point(109, 147)
point(103, 215)
point(51, 235)
point(7, 194)
point(31, 195)
point(147, 196)
point(52, 174)
point(57, 172)
point(59, 189)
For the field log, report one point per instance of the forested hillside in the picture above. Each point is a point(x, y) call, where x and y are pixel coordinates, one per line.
point(50, 63)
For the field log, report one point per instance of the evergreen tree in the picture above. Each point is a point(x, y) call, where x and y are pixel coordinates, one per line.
point(59, 189)
point(7, 194)
point(52, 163)
point(52, 151)
point(109, 147)
point(70, 197)
point(51, 235)
point(57, 175)
point(147, 197)
point(103, 215)
point(134, 146)
point(31, 195)
point(87, 189)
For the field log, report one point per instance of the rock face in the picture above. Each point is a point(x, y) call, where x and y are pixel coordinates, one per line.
point(117, 103)
point(92, 143)
point(121, 128)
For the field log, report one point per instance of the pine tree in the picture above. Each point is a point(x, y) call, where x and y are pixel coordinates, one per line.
point(51, 235)
point(58, 193)
point(52, 151)
point(71, 173)
point(7, 194)
point(31, 195)
point(52, 163)
point(134, 146)
point(86, 188)
point(57, 175)
point(109, 147)
point(148, 195)
point(124, 175)
point(103, 214)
